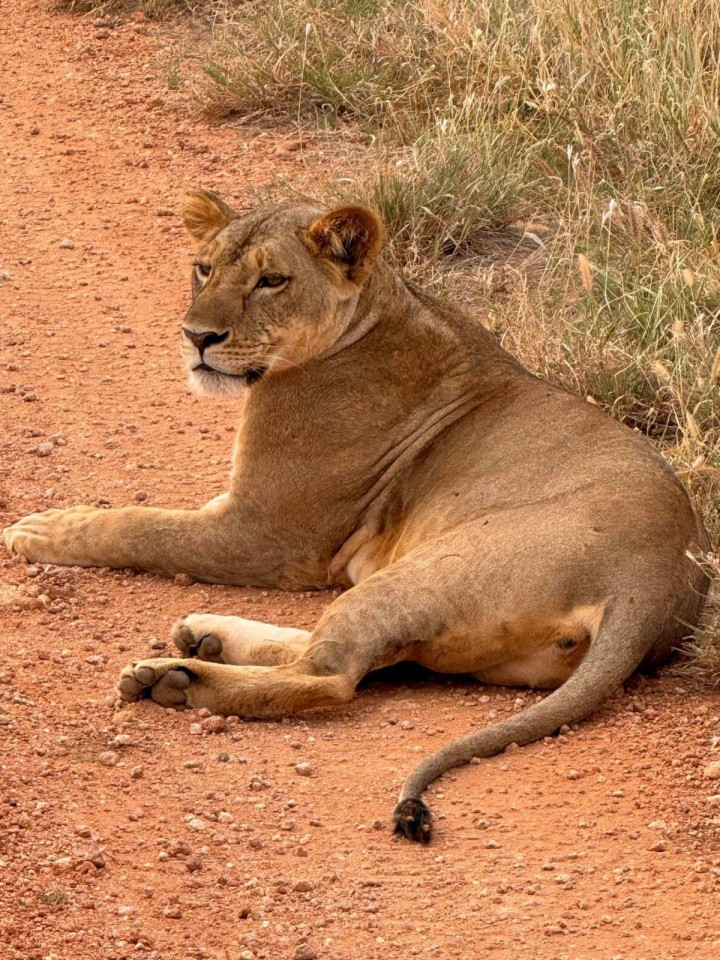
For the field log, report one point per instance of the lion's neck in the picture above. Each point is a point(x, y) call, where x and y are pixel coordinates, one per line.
point(327, 446)
point(424, 341)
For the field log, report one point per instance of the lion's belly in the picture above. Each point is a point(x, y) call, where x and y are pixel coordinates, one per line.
point(540, 652)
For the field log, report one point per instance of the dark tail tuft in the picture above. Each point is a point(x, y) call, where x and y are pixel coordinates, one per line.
point(413, 820)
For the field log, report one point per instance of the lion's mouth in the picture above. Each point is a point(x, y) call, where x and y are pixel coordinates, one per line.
point(249, 376)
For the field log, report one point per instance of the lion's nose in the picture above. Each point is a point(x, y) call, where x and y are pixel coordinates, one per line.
point(204, 339)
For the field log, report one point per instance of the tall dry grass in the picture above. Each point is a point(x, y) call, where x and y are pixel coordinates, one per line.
point(152, 8)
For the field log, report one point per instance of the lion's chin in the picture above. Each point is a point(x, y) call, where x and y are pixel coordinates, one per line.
point(216, 384)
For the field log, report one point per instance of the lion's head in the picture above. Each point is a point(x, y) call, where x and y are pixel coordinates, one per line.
point(272, 288)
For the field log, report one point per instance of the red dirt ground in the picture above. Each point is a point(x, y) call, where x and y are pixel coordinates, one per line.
point(601, 844)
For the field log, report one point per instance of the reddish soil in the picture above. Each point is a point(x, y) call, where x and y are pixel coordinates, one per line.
point(601, 844)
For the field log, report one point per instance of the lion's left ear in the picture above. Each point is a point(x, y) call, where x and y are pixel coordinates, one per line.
point(351, 237)
point(205, 215)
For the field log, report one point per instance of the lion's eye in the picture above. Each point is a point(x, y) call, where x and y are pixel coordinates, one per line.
point(203, 270)
point(271, 281)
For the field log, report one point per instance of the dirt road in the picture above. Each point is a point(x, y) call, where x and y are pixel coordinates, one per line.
point(139, 833)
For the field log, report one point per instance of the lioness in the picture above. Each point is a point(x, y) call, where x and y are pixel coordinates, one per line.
point(485, 522)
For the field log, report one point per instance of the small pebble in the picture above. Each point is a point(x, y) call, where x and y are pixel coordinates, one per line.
point(108, 759)
point(304, 952)
point(712, 770)
point(95, 857)
point(214, 725)
point(304, 769)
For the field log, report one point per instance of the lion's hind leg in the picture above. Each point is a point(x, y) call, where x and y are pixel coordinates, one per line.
point(248, 691)
point(375, 624)
point(237, 641)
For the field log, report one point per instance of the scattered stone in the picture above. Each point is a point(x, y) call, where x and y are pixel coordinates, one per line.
point(196, 729)
point(304, 952)
point(303, 886)
point(45, 448)
point(108, 759)
point(195, 823)
point(659, 846)
point(172, 911)
point(712, 770)
point(214, 724)
point(67, 245)
point(304, 769)
point(122, 740)
point(573, 775)
point(137, 772)
point(180, 848)
point(95, 856)
point(223, 757)
point(34, 131)
point(193, 864)
point(184, 580)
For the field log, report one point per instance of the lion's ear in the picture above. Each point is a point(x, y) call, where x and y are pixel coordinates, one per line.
point(350, 237)
point(205, 215)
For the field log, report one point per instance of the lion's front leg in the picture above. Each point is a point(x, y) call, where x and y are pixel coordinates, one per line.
point(198, 542)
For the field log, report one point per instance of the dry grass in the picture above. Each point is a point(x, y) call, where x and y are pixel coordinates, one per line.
point(55, 897)
point(555, 167)
point(153, 8)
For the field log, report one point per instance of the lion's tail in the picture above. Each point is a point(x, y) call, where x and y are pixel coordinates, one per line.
point(615, 653)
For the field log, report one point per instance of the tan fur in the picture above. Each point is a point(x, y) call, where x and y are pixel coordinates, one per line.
point(486, 521)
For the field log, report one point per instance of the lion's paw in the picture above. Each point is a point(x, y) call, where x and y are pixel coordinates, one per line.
point(194, 637)
point(53, 536)
point(165, 681)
